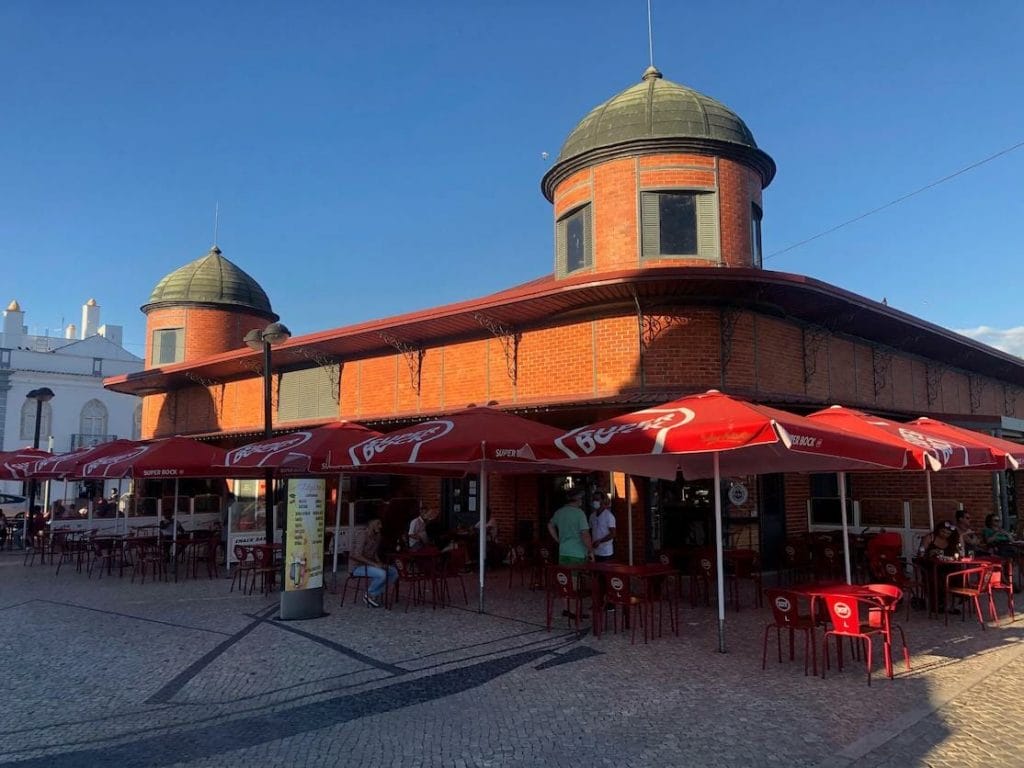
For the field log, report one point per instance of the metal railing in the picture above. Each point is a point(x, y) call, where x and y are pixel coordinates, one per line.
point(88, 441)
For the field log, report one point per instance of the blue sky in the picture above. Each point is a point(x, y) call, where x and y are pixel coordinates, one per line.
point(376, 158)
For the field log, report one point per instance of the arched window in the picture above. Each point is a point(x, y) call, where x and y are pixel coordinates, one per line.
point(28, 421)
point(137, 422)
point(93, 420)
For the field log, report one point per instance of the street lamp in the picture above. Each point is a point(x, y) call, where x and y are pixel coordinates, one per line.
point(41, 395)
point(257, 339)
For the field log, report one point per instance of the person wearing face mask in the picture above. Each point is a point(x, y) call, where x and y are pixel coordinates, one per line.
point(602, 527)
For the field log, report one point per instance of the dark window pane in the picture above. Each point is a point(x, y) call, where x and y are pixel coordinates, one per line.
point(575, 248)
point(165, 348)
point(755, 235)
point(677, 215)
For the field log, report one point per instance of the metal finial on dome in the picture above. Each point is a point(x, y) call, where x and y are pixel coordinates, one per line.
point(215, 251)
point(651, 73)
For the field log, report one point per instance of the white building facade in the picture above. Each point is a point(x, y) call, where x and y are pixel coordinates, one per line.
point(81, 412)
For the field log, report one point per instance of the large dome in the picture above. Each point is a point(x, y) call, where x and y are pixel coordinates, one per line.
point(657, 115)
point(211, 280)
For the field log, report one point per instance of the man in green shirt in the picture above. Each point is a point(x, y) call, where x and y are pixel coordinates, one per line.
point(569, 527)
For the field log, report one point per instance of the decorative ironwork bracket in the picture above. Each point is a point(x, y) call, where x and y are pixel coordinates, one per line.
point(814, 338)
point(1009, 400)
point(933, 381)
point(976, 390)
point(509, 339)
point(728, 317)
point(881, 365)
point(413, 358)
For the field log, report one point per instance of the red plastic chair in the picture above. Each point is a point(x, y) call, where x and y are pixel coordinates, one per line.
point(786, 615)
point(703, 575)
point(563, 584)
point(245, 566)
point(890, 596)
point(453, 567)
point(1002, 581)
point(744, 565)
point(620, 593)
point(848, 615)
point(971, 583)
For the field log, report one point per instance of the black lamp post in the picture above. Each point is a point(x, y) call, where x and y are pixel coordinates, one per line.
point(41, 395)
point(259, 340)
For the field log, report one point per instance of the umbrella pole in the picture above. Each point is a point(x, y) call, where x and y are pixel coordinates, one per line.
point(482, 538)
point(337, 531)
point(174, 532)
point(928, 486)
point(846, 532)
point(629, 516)
point(720, 556)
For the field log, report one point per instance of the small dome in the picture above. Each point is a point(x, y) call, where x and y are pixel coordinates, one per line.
point(14, 306)
point(211, 280)
point(657, 115)
point(91, 303)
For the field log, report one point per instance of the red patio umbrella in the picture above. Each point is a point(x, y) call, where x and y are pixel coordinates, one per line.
point(312, 451)
point(1012, 453)
point(705, 435)
point(68, 465)
point(16, 465)
point(929, 450)
point(172, 457)
point(477, 439)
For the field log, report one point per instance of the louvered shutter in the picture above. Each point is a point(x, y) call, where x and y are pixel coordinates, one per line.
point(588, 238)
point(650, 224)
point(708, 240)
point(308, 394)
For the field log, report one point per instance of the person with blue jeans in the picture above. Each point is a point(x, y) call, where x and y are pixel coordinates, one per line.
point(367, 562)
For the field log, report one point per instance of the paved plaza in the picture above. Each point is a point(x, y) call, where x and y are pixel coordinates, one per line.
point(103, 671)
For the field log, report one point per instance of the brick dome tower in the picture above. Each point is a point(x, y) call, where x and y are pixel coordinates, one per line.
point(658, 175)
point(203, 308)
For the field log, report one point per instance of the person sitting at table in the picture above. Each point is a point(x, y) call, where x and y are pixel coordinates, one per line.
point(943, 542)
point(417, 537)
point(368, 563)
point(997, 539)
point(968, 536)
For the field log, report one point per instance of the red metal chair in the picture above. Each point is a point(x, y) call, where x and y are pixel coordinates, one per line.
point(849, 617)
point(453, 567)
point(542, 558)
point(828, 560)
point(887, 568)
point(563, 583)
point(518, 562)
point(971, 583)
point(619, 592)
point(786, 615)
point(703, 575)
point(244, 567)
point(744, 565)
point(890, 596)
point(796, 561)
point(264, 567)
point(149, 556)
point(1002, 581)
point(418, 574)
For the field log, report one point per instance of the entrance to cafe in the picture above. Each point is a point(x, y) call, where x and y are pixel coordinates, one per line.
point(681, 514)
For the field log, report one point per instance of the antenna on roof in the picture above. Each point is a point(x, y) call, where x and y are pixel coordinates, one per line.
point(216, 221)
point(650, 34)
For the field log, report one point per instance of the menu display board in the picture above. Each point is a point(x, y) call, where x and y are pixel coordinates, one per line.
point(304, 541)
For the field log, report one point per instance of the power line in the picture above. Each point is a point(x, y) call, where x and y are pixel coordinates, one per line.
point(891, 203)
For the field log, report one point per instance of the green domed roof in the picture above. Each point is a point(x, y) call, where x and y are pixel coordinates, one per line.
point(211, 280)
point(657, 115)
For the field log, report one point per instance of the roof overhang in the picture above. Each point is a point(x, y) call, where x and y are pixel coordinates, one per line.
point(547, 301)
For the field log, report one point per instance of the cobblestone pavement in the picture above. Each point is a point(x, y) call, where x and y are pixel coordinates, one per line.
point(104, 671)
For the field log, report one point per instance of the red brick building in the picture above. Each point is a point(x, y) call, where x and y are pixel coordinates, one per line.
point(657, 290)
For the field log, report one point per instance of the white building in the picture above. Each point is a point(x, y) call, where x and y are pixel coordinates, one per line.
point(81, 412)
